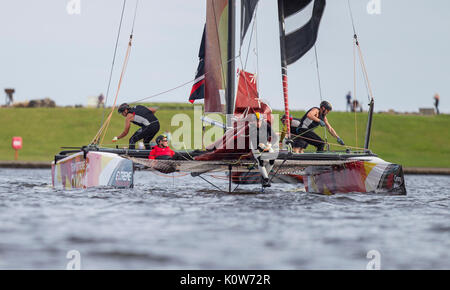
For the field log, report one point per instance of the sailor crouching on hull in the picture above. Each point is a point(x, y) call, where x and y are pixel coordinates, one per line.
point(143, 117)
point(264, 146)
point(312, 119)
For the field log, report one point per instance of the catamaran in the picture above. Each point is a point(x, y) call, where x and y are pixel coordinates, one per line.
point(328, 172)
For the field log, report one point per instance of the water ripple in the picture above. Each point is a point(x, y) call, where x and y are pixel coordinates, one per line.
point(185, 224)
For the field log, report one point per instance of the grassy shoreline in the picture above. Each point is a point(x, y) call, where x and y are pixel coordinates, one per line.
point(413, 141)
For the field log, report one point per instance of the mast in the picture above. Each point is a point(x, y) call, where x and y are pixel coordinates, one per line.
point(369, 125)
point(284, 65)
point(231, 63)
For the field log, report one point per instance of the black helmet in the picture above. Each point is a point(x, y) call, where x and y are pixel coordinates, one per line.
point(284, 117)
point(123, 107)
point(326, 105)
point(160, 138)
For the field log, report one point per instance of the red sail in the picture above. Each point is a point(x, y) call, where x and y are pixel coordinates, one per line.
point(235, 142)
point(247, 97)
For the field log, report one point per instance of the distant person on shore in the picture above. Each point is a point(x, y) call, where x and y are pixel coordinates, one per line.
point(436, 103)
point(100, 101)
point(161, 150)
point(9, 97)
point(349, 101)
point(355, 106)
point(312, 119)
point(143, 117)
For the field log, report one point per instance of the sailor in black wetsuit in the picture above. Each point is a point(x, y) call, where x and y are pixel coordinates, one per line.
point(143, 117)
point(313, 118)
point(264, 146)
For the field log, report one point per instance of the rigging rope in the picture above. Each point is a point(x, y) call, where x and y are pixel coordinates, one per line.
point(357, 47)
point(134, 17)
point(351, 17)
point(246, 174)
point(256, 51)
point(354, 93)
point(178, 86)
point(165, 92)
point(361, 58)
point(98, 139)
point(355, 37)
point(320, 89)
point(251, 37)
point(210, 183)
point(302, 137)
point(180, 174)
point(346, 146)
point(113, 62)
point(366, 76)
point(279, 167)
point(318, 73)
point(244, 66)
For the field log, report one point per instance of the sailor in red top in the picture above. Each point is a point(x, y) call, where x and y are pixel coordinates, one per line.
point(162, 150)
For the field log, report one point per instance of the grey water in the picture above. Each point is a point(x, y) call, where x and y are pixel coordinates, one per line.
point(181, 222)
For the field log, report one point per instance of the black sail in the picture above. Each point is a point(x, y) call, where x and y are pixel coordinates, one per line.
point(247, 10)
point(291, 7)
point(198, 89)
point(298, 42)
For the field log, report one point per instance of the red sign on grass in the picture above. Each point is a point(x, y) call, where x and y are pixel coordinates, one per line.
point(16, 143)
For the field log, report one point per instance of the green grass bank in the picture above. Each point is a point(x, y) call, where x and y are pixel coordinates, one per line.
point(410, 140)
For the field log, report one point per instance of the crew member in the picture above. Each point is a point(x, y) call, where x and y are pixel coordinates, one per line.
point(313, 118)
point(162, 149)
point(436, 103)
point(143, 117)
point(348, 97)
point(264, 146)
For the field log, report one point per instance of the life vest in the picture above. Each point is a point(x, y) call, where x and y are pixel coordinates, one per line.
point(142, 116)
point(307, 123)
point(158, 151)
point(295, 123)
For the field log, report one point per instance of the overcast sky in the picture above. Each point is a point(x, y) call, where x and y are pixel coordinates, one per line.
point(47, 52)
